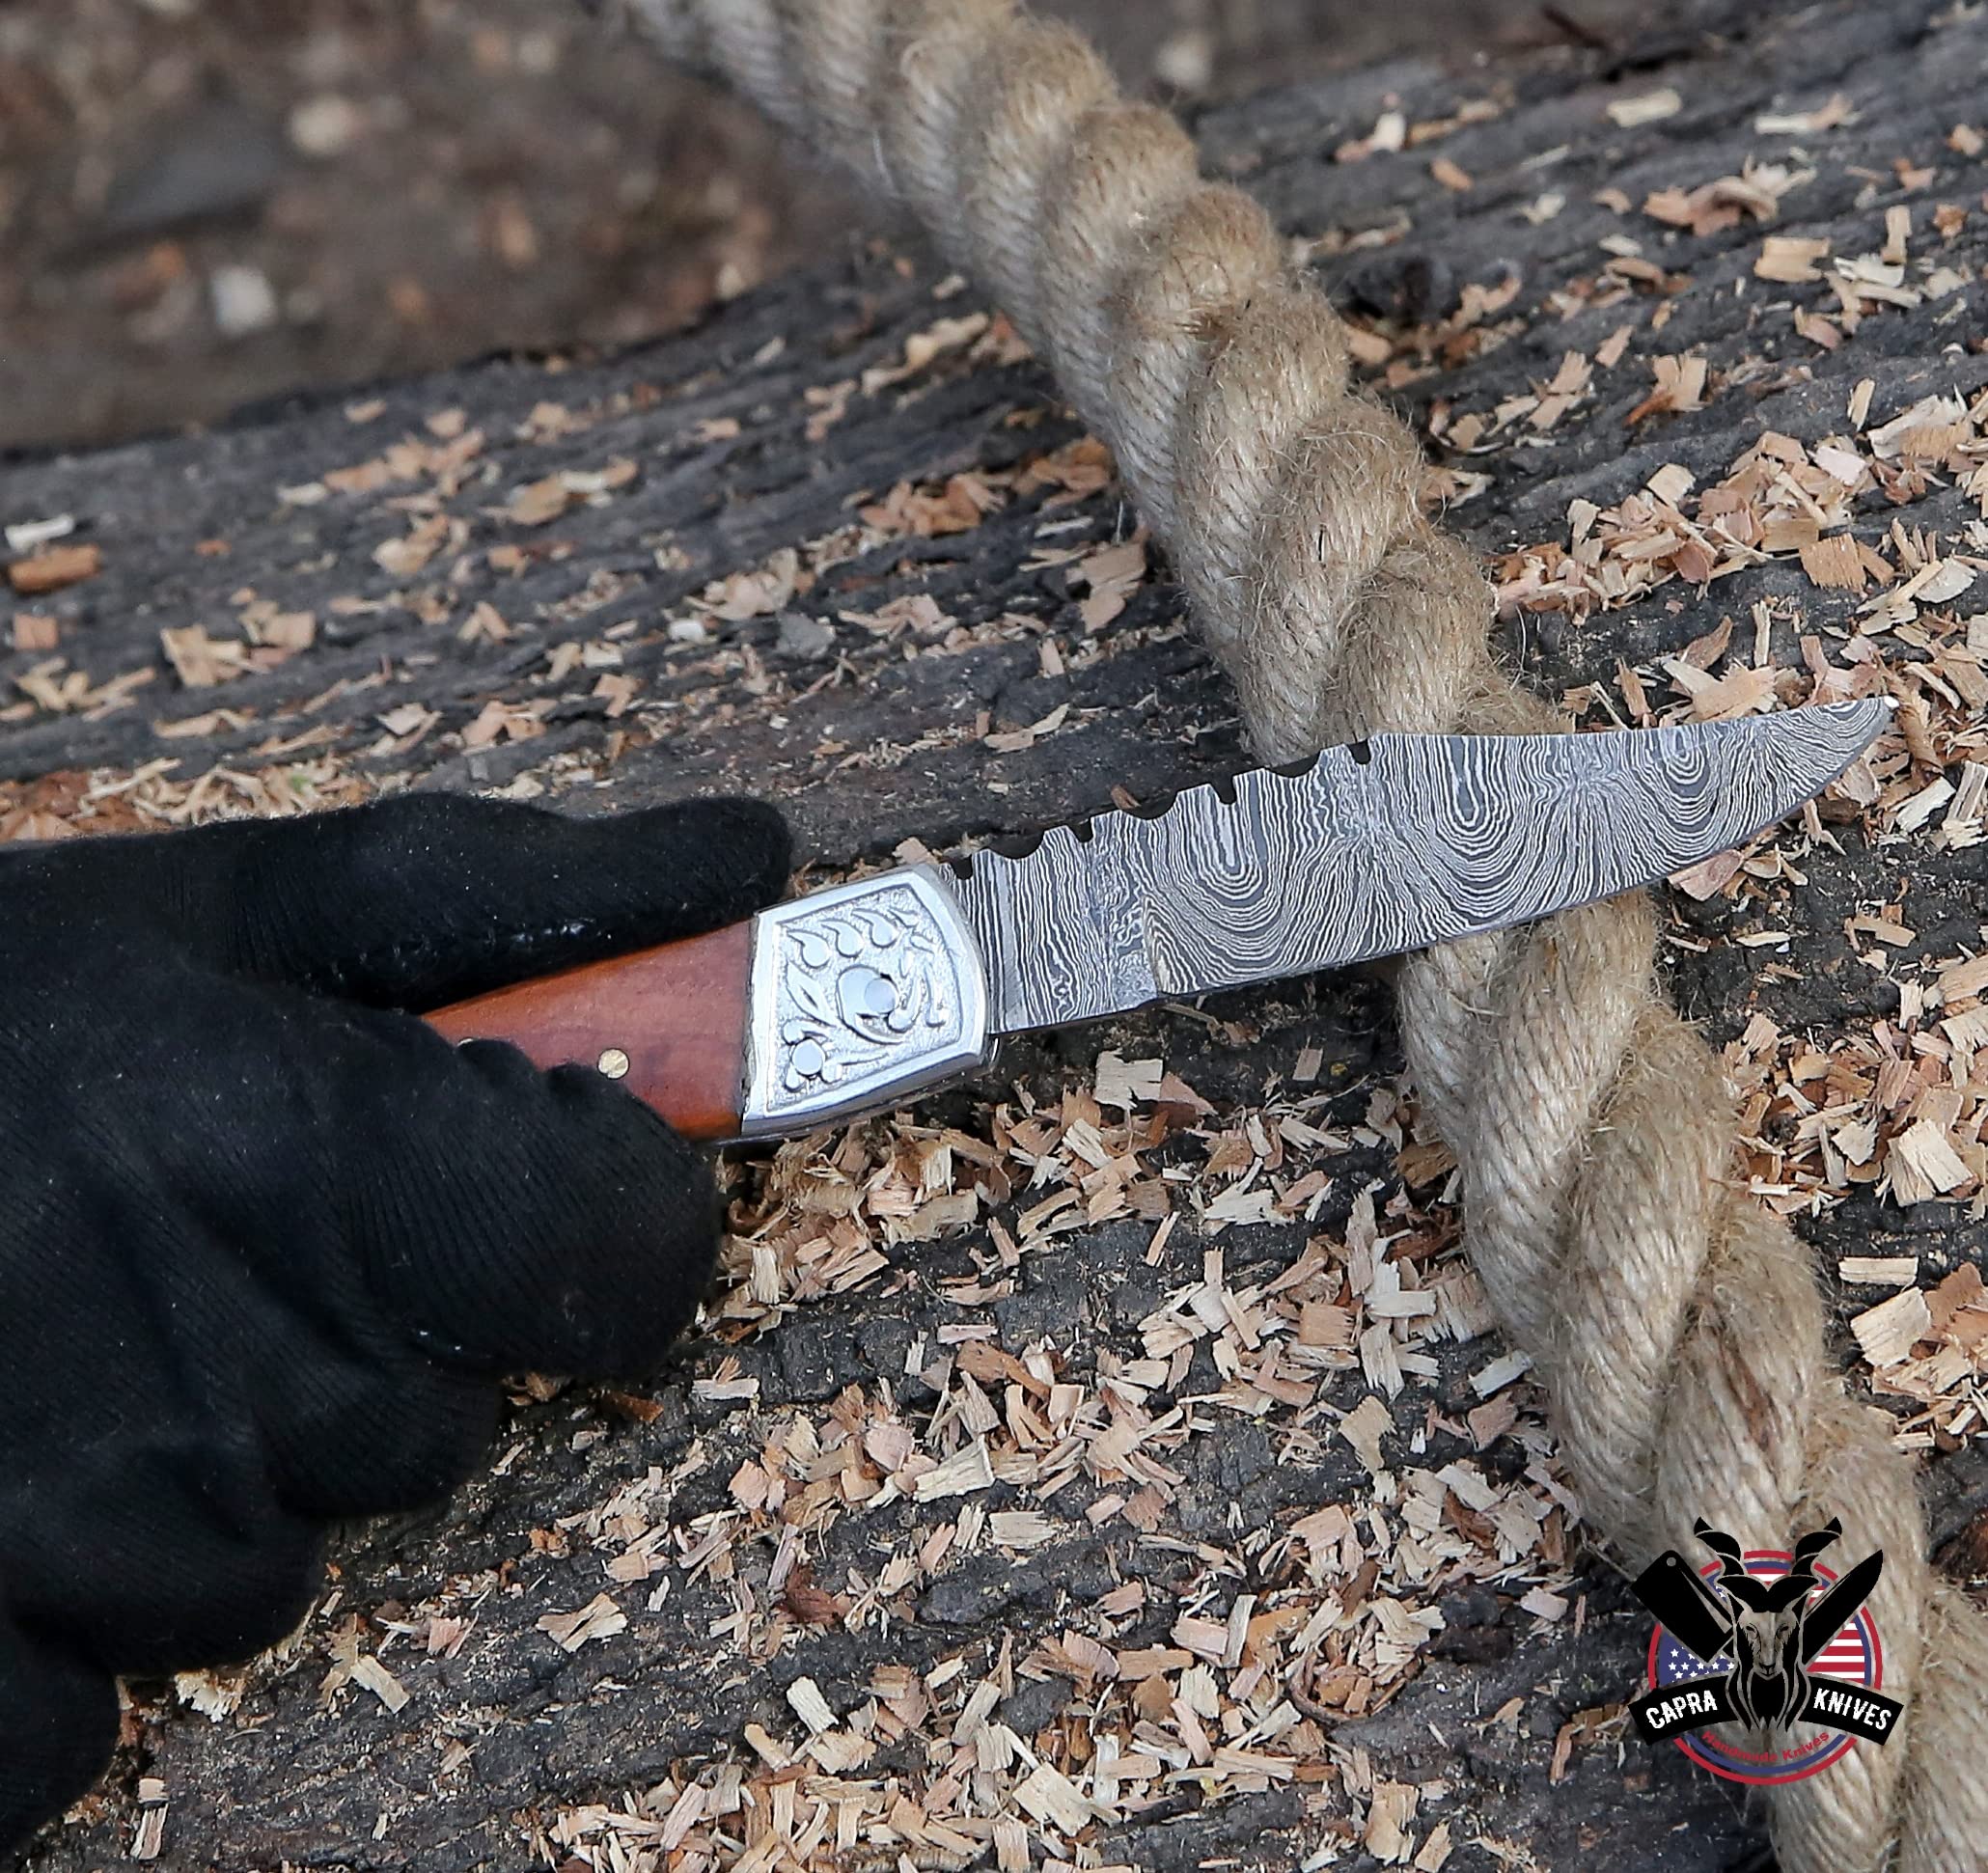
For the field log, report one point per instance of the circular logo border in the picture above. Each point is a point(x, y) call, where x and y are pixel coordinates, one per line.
point(1826, 1751)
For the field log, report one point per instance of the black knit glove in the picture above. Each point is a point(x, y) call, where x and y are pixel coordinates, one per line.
point(265, 1245)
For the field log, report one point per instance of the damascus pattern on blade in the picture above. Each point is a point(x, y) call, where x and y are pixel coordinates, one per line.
point(1428, 838)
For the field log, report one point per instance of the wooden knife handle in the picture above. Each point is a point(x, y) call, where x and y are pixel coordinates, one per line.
point(668, 1023)
point(816, 1010)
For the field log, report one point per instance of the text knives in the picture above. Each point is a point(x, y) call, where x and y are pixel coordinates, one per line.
point(855, 997)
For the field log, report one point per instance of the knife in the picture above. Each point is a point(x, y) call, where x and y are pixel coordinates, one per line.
point(853, 999)
point(1835, 1609)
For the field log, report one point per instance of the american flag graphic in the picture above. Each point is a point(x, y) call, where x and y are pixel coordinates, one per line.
point(1675, 1661)
point(1847, 1656)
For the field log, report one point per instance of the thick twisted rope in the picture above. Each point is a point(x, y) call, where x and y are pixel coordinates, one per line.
point(1681, 1331)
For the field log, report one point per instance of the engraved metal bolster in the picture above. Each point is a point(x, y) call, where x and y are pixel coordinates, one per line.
point(860, 996)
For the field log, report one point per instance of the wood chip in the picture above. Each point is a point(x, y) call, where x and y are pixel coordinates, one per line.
point(1386, 1835)
point(1650, 107)
point(53, 569)
point(804, 1695)
point(1835, 564)
point(1363, 1427)
point(599, 1618)
point(1962, 981)
point(149, 1837)
point(1680, 386)
point(1435, 1850)
point(1878, 1271)
point(370, 1674)
point(960, 1474)
point(1889, 1331)
point(1543, 1605)
point(1500, 1374)
point(1051, 1796)
point(1792, 260)
point(1925, 1164)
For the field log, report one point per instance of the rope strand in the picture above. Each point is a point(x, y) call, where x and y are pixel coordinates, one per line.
point(1681, 1331)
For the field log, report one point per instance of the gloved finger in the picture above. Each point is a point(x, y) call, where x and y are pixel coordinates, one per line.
point(159, 1556)
point(430, 897)
point(58, 1719)
point(510, 1219)
point(275, 1308)
point(368, 1429)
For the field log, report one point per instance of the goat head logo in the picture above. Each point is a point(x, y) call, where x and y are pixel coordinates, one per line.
point(1764, 1640)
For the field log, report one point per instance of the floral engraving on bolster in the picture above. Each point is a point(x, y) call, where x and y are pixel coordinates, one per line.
point(865, 985)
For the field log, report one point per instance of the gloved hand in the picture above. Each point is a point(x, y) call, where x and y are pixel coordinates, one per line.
point(266, 1245)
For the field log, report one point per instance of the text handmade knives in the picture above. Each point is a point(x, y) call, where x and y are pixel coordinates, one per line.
point(855, 997)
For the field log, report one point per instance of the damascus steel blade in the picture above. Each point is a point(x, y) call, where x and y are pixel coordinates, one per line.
point(1425, 839)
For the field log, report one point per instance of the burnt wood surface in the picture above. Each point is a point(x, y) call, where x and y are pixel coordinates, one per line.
point(870, 736)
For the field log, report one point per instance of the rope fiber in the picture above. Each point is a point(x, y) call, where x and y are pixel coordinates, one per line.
point(1681, 1331)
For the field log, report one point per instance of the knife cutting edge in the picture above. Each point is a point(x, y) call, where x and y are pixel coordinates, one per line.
point(856, 998)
